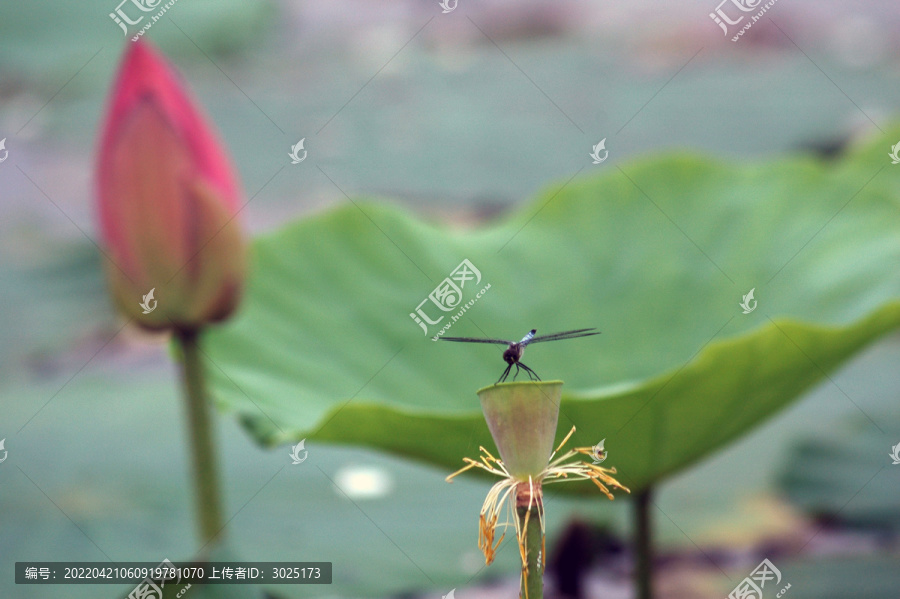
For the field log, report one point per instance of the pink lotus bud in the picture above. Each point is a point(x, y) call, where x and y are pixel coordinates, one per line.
point(167, 198)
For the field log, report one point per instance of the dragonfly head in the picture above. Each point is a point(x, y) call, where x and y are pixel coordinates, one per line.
point(512, 353)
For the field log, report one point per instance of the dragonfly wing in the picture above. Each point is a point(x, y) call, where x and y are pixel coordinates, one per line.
point(566, 335)
point(475, 340)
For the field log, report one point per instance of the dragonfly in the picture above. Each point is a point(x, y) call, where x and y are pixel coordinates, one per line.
point(514, 351)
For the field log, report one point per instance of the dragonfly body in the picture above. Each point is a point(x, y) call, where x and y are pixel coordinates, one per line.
point(514, 351)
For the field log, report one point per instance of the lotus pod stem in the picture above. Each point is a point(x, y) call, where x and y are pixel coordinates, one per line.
point(529, 507)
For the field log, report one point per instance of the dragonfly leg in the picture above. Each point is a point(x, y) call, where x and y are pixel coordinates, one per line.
point(530, 372)
point(504, 375)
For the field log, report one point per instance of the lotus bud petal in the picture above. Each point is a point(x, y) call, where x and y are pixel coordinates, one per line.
point(167, 199)
point(522, 418)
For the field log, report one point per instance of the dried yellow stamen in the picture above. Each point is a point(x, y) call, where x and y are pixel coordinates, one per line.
point(500, 495)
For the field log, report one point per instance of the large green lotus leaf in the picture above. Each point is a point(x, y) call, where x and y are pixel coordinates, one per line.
point(656, 253)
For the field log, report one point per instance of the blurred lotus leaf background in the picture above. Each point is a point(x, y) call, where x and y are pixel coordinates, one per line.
point(435, 138)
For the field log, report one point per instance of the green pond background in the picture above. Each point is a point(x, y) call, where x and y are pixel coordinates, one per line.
point(405, 103)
